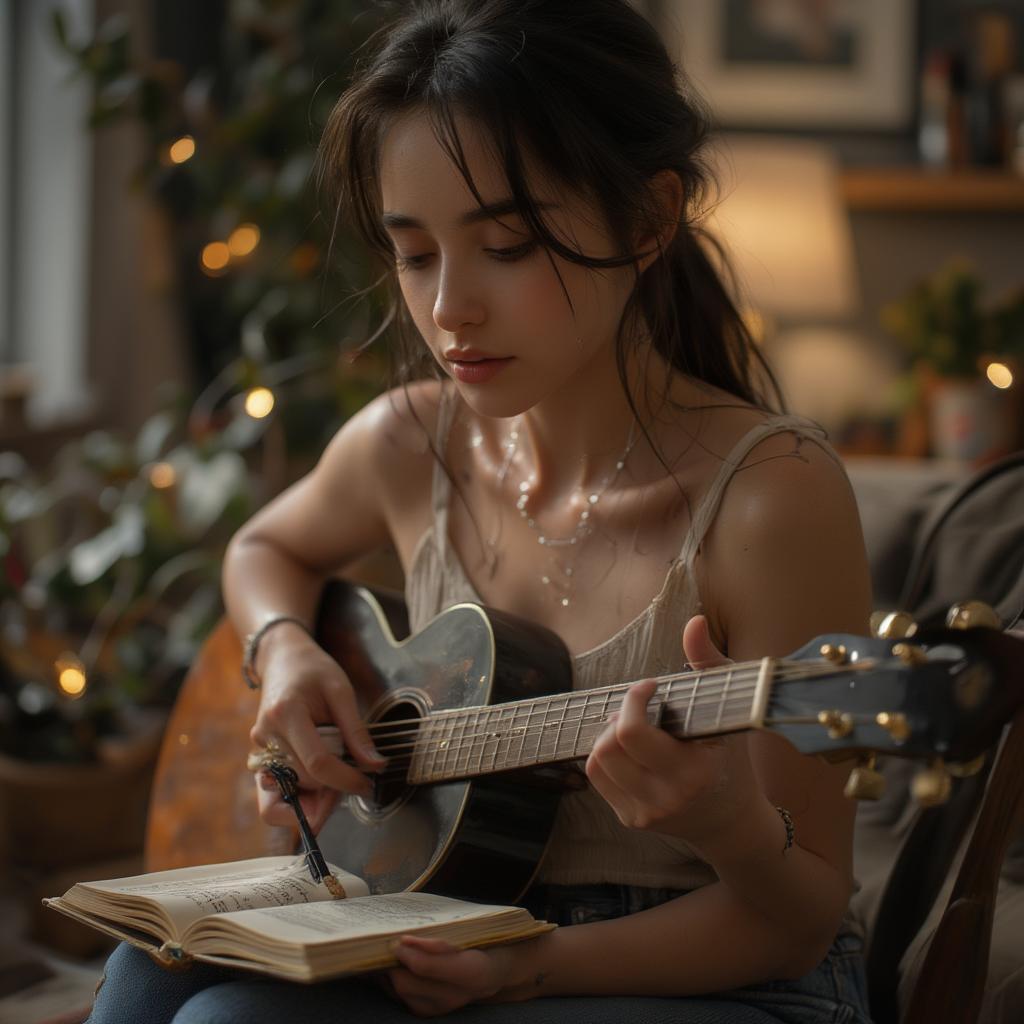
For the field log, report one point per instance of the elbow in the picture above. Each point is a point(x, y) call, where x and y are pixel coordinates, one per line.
point(807, 947)
point(804, 954)
point(806, 942)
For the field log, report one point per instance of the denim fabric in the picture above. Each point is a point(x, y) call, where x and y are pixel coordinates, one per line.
point(136, 990)
point(835, 992)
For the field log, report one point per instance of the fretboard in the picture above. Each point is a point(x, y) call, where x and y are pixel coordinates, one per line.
point(468, 742)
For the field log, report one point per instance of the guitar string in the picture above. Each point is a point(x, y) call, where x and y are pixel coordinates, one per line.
point(739, 694)
point(706, 696)
point(699, 715)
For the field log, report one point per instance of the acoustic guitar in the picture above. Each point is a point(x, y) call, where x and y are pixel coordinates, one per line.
point(477, 717)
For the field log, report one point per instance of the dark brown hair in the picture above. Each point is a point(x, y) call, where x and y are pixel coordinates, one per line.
point(588, 89)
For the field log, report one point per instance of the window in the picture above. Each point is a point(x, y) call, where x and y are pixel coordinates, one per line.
point(45, 183)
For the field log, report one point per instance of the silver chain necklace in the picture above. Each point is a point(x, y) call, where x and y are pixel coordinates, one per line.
point(558, 577)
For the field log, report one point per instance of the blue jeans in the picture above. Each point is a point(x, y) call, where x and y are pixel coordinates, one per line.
point(136, 990)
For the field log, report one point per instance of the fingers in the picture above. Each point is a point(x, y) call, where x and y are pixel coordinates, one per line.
point(355, 735)
point(436, 977)
point(698, 647)
point(318, 804)
point(632, 734)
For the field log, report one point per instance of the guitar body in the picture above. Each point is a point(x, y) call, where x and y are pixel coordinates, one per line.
point(481, 839)
point(487, 775)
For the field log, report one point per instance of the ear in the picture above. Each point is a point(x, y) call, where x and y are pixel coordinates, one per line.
point(668, 192)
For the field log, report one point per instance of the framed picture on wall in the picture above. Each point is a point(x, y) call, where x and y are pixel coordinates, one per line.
point(799, 64)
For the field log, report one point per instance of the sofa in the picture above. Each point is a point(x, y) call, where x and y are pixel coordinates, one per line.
point(937, 534)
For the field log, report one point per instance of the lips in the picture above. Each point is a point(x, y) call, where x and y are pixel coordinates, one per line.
point(472, 367)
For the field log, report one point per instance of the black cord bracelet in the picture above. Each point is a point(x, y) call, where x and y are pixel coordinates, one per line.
point(252, 643)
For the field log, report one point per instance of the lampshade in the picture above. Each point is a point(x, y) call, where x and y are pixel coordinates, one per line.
point(785, 228)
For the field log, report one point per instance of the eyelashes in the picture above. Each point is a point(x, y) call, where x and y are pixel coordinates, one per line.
point(512, 254)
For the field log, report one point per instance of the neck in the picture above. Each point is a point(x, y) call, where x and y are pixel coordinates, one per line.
point(476, 741)
point(571, 442)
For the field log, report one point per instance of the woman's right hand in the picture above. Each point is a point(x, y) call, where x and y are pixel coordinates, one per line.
point(303, 687)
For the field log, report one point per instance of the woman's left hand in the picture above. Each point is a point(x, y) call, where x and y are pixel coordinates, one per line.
point(693, 789)
point(436, 977)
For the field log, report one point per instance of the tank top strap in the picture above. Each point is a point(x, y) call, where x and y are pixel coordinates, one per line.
point(706, 511)
point(441, 485)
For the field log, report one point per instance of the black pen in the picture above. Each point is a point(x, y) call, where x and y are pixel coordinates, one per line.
point(288, 780)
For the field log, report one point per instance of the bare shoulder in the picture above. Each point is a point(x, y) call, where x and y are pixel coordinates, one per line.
point(370, 487)
point(396, 426)
point(788, 477)
point(785, 558)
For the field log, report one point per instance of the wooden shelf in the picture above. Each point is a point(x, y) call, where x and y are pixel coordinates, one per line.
point(913, 189)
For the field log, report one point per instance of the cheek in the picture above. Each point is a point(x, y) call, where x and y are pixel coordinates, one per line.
point(418, 296)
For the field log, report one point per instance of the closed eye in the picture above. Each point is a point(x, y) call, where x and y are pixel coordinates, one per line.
point(516, 252)
point(411, 262)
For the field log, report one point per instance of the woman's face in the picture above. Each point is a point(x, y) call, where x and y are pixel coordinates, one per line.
point(485, 297)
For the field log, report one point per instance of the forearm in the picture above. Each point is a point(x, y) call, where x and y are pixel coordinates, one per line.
point(798, 893)
point(260, 580)
point(707, 941)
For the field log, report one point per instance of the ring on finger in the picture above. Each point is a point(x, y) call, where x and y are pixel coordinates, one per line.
point(271, 754)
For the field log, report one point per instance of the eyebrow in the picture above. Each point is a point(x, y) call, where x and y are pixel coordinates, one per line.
point(489, 211)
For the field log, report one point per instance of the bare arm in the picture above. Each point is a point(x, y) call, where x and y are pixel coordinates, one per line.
point(277, 564)
point(785, 563)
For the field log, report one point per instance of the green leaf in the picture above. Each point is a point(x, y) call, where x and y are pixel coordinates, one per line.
point(124, 538)
point(153, 435)
point(60, 27)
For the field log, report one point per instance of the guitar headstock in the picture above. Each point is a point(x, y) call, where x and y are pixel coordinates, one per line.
point(939, 695)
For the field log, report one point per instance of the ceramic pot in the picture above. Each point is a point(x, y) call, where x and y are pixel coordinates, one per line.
point(968, 419)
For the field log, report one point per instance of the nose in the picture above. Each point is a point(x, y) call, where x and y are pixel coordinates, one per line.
point(458, 301)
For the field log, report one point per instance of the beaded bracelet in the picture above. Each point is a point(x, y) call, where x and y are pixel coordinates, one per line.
point(787, 820)
point(252, 643)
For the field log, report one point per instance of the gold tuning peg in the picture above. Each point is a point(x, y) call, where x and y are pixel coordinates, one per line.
point(932, 785)
point(865, 781)
point(892, 625)
point(965, 769)
point(970, 614)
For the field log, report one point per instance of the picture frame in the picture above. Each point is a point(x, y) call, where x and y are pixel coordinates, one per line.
point(836, 65)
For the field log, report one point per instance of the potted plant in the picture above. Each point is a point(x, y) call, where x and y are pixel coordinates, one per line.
point(964, 354)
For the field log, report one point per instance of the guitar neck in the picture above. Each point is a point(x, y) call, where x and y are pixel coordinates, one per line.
point(469, 742)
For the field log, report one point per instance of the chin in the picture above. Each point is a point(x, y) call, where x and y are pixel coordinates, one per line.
point(494, 402)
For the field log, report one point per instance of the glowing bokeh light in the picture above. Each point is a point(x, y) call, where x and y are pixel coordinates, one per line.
point(243, 239)
point(162, 475)
point(71, 675)
point(181, 149)
point(1000, 375)
point(216, 256)
point(259, 402)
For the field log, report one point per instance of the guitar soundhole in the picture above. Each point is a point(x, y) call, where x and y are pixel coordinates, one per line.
point(394, 734)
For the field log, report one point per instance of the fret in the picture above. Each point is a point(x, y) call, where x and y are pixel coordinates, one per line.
point(545, 733)
point(595, 725)
point(556, 735)
point(521, 728)
point(477, 740)
point(477, 737)
point(494, 730)
point(462, 747)
point(582, 708)
point(531, 741)
point(506, 721)
point(687, 722)
point(666, 700)
point(721, 700)
point(448, 744)
point(423, 752)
